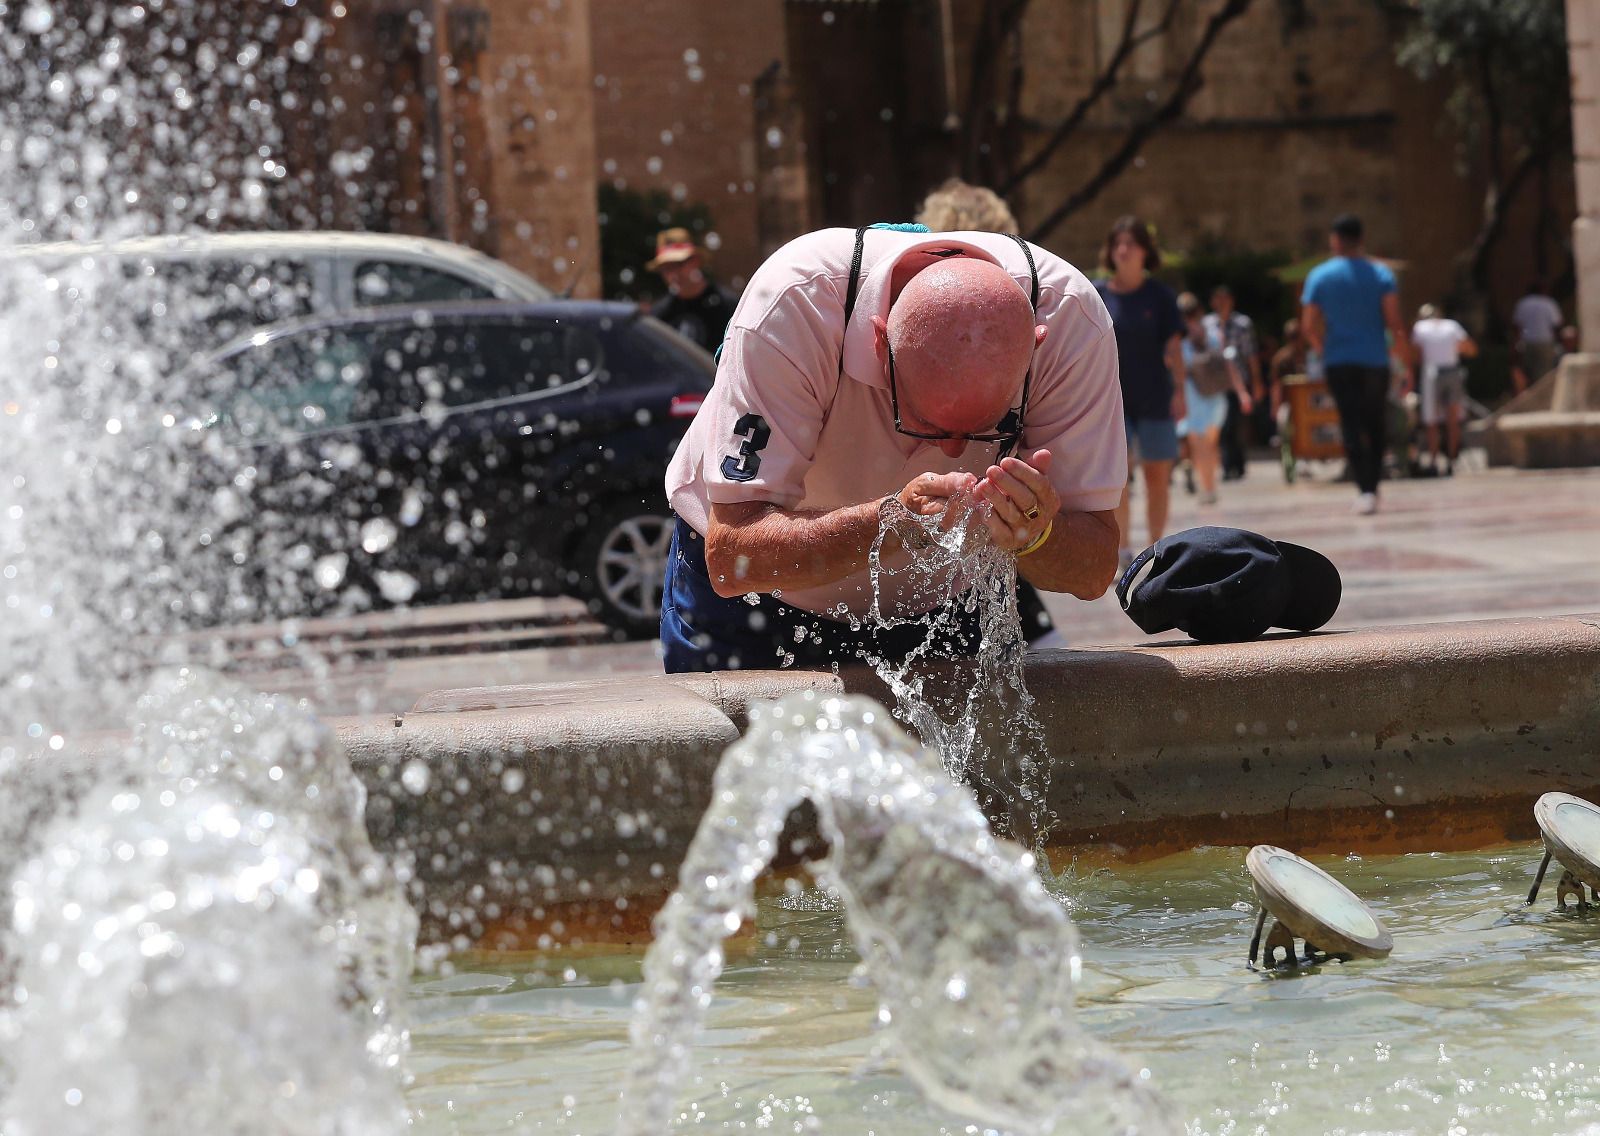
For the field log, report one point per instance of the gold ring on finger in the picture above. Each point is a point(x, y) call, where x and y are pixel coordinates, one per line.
point(1031, 512)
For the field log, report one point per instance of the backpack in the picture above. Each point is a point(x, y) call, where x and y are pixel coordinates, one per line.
point(1210, 372)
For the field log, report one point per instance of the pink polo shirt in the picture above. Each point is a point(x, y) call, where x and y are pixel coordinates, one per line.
point(782, 425)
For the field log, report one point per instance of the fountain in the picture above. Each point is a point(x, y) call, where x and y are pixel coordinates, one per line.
point(157, 921)
point(976, 988)
point(204, 926)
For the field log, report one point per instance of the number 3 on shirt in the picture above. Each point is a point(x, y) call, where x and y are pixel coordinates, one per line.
point(754, 432)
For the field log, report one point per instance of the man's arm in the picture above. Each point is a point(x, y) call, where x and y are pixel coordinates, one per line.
point(1174, 361)
point(1311, 324)
point(1080, 558)
point(756, 546)
point(1399, 335)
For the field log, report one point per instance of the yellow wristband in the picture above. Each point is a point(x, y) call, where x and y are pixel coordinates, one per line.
point(1038, 541)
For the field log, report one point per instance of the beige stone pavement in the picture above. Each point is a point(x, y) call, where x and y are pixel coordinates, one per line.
point(1483, 543)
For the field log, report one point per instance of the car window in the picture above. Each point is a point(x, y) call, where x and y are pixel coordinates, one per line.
point(331, 377)
point(381, 282)
point(450, 364)
point(647, 351)
point(226, 297)
point(312, 381)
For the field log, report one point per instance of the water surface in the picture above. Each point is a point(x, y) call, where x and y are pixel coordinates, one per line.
point(1482, 1021)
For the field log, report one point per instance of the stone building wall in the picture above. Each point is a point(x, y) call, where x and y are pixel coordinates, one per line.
point(1583, 36)
point(1301, 117)
point(538, 110)
point(676, 86)
point(466, 120)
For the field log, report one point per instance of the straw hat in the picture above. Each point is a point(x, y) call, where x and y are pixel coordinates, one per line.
point(674, 246)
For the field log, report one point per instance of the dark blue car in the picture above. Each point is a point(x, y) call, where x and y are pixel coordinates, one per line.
point(453, 452)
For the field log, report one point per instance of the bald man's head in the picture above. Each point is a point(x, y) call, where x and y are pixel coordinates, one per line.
point(962, 333)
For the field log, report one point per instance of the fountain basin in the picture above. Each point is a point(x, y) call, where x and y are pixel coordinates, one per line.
point(558, 813)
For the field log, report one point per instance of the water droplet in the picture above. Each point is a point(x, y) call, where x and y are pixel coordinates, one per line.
point(416, 776)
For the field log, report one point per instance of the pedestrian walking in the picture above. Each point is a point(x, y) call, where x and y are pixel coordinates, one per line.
point(1211, 375)
point(1349, 303)
point(1442, 380)
point(1537, 321)
point(1149, 330)
point(1238, 335)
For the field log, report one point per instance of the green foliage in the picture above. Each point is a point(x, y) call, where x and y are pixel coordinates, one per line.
point(1503, 57)
point(1252, 276)
point(629, 222)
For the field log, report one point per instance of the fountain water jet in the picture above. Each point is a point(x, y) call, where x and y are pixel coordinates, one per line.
point(974, 961)
point(205, 940)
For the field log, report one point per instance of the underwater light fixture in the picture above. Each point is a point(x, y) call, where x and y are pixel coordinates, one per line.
point(1307, 903)
point(1571, 829)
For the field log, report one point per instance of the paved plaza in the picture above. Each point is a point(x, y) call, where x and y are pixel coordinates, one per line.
point(1487, 542)
point(1483, 543)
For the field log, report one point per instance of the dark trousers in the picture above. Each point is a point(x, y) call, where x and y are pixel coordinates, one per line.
point(702, 631)
point(1232, 443)
point(1362, 396)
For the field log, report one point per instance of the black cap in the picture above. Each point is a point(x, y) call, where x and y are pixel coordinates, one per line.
point(1227, 585)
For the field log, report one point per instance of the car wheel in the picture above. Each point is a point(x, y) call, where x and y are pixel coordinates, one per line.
point(623, 561)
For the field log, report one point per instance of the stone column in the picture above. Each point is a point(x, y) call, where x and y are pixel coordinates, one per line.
point(1583, 42)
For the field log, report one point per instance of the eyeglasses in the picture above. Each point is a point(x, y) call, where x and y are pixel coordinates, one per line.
point(1008, 432)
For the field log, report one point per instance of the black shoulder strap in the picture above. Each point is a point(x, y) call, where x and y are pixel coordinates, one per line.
point(1033, 271)
point(853, 288)
point(855, 275)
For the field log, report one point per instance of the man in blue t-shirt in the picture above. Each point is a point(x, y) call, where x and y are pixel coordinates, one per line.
point(1348, 304)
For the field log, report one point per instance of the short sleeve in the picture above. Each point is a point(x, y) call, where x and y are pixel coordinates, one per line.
point(1076, 414)
point(1171, 318)
point(764, 418)
point(1247, 335)
point(1386, 282)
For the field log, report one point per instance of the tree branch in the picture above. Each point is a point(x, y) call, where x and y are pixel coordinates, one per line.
point(1496, 208)
point(1189, 82)
point(1105, 81)
point(999, 18)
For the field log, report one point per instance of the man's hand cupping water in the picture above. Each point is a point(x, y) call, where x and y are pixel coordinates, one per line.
point(1019, 504)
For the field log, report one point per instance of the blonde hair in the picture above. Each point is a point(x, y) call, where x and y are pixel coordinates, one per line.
point(957, 206)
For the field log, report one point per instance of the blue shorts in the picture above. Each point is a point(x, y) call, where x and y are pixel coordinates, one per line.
point(1152, 439)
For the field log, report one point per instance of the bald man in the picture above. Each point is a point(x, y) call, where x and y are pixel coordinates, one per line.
point(879, 370)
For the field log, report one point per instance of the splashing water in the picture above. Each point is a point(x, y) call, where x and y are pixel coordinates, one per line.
point(976, 986)
point(956, 713)
point(205, 940)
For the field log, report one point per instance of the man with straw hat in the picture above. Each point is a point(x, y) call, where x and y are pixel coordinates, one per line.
point(696, 306)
